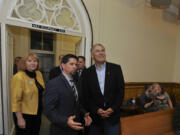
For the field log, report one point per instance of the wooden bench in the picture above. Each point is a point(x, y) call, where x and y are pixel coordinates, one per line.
point(155, 123)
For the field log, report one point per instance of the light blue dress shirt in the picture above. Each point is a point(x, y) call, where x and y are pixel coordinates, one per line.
point(101, 76)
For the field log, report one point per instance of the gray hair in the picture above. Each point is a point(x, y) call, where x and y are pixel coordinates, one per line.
point(97, 44)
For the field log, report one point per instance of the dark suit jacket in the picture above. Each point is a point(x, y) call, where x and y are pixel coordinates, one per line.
point(113, 92)
point(54, 72)
point(78, 80)
point(60, 104)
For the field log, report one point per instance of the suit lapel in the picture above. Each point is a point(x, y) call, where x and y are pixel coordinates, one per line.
point(66, 83)
point(107, 75)
point(70, 89)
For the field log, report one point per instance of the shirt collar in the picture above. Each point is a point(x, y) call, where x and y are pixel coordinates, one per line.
point(103, 66)
point(67, 77)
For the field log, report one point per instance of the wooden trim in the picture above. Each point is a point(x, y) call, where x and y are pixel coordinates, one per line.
point(135, 89)
point(145, 83)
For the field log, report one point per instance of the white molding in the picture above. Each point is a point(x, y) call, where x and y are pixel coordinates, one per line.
point(19, 23)
point(7, 115)
point(69, 2)
point(4, 78)
point(56, 12)
point(88, 31)
point(13, 130)
point(83, 42)
point(1, 106)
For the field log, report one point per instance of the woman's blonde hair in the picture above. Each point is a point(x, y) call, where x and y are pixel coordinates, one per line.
point(157, 84)
point(22, 63)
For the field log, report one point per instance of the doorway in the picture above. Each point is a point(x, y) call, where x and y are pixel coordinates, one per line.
point(47, 46)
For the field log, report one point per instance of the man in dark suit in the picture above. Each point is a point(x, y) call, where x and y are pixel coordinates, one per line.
point(56, 71)
point(81, 65)
point(61, 102)
point(80, 69)
point(104, 85)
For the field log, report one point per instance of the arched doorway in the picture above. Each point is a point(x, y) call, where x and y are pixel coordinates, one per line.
point(62, 17)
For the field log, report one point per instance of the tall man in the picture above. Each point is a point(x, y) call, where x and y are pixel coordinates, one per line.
point(56, 71)
point(61, 101)
point(104, 85)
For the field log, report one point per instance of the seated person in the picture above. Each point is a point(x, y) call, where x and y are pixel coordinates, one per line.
point(146, 100)
point(162, 100)
point(176, 119)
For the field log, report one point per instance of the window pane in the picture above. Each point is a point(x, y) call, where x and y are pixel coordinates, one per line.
point(46, 64)
point(48, 41)
point(36, 40)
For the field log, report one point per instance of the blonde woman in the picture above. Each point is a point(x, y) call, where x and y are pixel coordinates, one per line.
point(162, 100)
point(26, 96)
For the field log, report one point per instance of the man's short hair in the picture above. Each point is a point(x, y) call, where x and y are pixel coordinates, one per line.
point(82, 57)
point(66, 58)
point(94, 46)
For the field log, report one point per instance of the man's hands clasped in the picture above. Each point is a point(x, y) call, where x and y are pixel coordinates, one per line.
point(77, 125)
point(105, 113)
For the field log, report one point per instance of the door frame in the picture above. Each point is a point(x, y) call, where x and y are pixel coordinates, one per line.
point(4, 80)
point(1, 95)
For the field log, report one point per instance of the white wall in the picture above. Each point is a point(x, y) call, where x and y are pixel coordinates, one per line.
point(1, 5)
point(177, 61)
point(135, 36)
